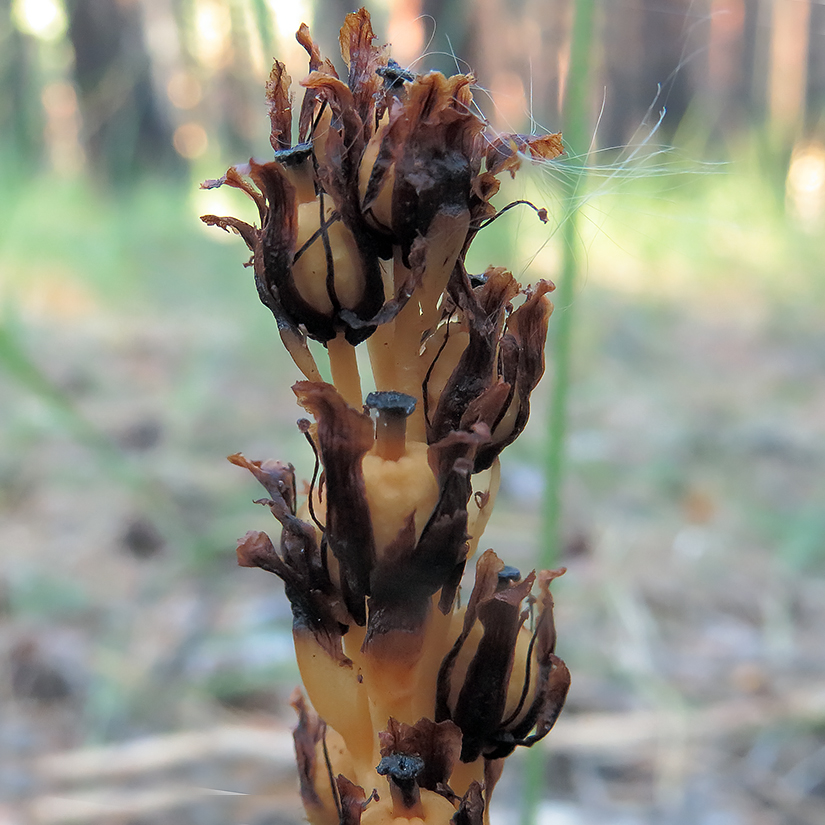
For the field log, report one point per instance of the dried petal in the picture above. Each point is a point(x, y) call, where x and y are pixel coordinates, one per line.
point(352, 799)
point(471, 809)
point(483, 696)
point(308, 733)
point(344, 437)
point(473, 375)
point(317, 63)
point(526, 334)
point(503, 152)
point(279, 102)
point(363, 60)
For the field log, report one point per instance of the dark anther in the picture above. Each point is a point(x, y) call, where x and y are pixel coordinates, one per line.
point(391, 428)
point(394, 76)
point(403, 771)
point(400, 767)
point(391, 402)
point(508, 574)
point(295, 155)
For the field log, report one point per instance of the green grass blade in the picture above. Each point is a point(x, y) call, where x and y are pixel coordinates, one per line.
point(576, 130)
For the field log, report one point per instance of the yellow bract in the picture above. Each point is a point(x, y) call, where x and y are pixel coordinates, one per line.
point(398, 489)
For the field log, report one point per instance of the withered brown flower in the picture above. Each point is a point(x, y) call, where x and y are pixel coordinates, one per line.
point(365, 223)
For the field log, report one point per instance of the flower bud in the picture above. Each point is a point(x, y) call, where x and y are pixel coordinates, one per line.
point(500, 681)
point(326, 267)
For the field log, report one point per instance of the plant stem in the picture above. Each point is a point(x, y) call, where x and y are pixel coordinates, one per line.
point(576, 131)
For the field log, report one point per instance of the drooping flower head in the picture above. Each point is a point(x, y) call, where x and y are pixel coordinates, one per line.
point(365, 223)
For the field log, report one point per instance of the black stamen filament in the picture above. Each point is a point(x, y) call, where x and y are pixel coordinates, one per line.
point(303, 425)
point(542, 213)
point(324, 229)
point(430, 369)
point(526, 689)
point(334, 216)
point(333, 785)
point(317, 121)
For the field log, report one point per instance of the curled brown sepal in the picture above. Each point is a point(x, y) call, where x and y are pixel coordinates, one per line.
point(352, 799)
point(277, 478)
point(522, 366)
point(471, 809)
point(344, 436)
point(456, 446)
point(363, 61)
point(488, 568)
point(552, 680)
point(438, 744)
point(280, 267)
point(272, 248)
point(479, 709)
point(496, 602)
point(300, 564)
point(484, 313)
point(279, 103)
point(503, 152)
point(429, 155)
point(313, 610)
point(308, 733)
point(317, 63)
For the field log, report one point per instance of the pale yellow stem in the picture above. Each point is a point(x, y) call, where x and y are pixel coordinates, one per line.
point(406, 346)
point(479, 516)
point(336, 694)
point(445, 239)
point(382, 357)
point(344, 367)
point(439, 639)
point(297, 347)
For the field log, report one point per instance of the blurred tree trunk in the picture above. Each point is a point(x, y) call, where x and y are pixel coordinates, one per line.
point(125, 131)
point(624, 78)
point(790, 32)
point(242, 100)
point(449, 19)
point(649, 53)
point(732, 92)
point(20, 106)
point(724, 83)
point(816, 66)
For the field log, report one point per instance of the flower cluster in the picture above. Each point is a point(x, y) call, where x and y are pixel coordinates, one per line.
point(364, 227)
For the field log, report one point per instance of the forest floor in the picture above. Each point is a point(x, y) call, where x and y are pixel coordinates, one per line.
point(144, 678)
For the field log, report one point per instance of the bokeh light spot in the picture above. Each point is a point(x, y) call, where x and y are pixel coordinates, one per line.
point(45, 19)
point(183, 90)
point(805, 184)
point(190, 140)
